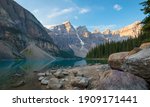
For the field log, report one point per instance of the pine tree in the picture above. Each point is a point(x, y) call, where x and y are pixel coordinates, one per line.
point(146, 21)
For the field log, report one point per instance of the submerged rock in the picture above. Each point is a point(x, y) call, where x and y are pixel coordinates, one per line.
point(19, 84)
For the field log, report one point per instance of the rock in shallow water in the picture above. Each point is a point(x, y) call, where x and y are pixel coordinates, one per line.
point(117, 80)
point(18, 84)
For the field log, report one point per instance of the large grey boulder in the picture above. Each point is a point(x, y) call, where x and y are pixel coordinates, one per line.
point(117, 59)
point(145, 45)
point(138, 64)
point(117, 80)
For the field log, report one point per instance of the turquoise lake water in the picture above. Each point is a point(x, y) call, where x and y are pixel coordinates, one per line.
point(11, 72)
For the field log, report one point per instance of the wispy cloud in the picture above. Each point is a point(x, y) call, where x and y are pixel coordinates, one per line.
point(83, 10)
point(117, 7)
point(57, 12)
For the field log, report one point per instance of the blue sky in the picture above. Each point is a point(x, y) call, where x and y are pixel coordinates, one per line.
point(100, 14)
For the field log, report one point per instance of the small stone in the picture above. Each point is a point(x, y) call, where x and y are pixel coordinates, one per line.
point(65, 73)
point(41, 74)
point(81, 82)
point(18, 75)
point(44, 81)
point(59, 74)
point(52, 71)
point(76, 88)
point(54, 83)
point(47, 73)
point(41, 78)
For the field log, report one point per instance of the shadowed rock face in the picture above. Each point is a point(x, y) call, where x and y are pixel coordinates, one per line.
point(18, 27)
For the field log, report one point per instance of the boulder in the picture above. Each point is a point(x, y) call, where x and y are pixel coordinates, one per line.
point(41, 74)
point(116, 60)
point(145, 45)
point(54, 83)
point(134, 51)
point(59, 73)
point(117, 80)
point(81, 82)
point(138, 64)
point(41, 78)
point(44, 81)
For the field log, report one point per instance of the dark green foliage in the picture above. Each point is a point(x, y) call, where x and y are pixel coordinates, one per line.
point(104, 50)
point(146, 21)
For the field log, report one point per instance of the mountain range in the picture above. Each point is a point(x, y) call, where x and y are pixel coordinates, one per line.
point(80, 40)
point(21, 34)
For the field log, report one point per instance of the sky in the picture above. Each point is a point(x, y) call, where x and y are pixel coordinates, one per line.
point(94, 14)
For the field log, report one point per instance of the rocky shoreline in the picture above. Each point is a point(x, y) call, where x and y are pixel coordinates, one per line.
point(125, 71)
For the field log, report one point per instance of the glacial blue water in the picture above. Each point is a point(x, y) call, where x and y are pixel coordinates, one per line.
point(12, 72)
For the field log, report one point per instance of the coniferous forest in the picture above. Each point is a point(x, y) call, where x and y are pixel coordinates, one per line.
point(104, 50)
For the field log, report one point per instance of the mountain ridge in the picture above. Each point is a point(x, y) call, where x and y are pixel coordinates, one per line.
point(84, 40)
point(19, 27)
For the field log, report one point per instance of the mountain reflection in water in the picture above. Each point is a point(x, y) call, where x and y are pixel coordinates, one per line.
point(12, 72)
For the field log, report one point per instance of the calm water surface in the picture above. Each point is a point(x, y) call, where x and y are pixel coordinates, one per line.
point(13, 72)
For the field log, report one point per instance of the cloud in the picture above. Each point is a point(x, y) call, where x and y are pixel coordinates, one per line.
point(83, 10)
point(60, 12)
point(117, 7)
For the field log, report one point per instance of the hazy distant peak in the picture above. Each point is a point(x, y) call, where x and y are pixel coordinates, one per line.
point(131, 30)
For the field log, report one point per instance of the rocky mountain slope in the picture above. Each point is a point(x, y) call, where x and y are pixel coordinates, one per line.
point(80, 40)
point(18, 28)
point(132, 30)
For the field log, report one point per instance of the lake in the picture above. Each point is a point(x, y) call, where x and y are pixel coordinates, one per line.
point(14, 72)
